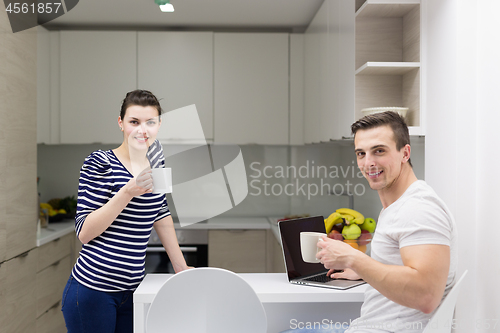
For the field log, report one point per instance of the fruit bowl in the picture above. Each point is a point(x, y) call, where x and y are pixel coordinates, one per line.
point(362, 243)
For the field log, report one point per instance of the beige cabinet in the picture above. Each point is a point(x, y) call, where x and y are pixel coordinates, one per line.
point(53, 269)
point(17, 290)
point(240, 251)
point(251, 82)
point(245, 251)
point(388, 58)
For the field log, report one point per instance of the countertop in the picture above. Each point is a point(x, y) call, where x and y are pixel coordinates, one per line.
point(230, 223)
point(54, 231)
point(59, 229)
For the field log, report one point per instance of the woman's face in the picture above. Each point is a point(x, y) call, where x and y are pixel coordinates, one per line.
point(140, 126)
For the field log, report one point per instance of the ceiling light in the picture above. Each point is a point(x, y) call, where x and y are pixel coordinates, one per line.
point(165, 5)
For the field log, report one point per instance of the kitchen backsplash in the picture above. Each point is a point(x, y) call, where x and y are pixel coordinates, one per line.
point(310, 179)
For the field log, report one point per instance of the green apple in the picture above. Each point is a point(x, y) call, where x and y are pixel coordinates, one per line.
point(369, 225)
point(351, 231)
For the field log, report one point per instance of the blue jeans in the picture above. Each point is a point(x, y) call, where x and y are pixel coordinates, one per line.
point(90, 311)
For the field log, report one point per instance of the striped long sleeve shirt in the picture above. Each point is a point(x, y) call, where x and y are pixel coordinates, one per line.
point(114, 260)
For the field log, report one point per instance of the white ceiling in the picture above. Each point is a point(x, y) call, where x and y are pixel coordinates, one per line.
point(291, 15)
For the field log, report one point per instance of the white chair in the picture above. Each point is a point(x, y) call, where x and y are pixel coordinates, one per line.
point(442, 319)
point(206, 300)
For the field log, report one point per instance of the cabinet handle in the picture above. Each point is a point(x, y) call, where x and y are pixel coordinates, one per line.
point(237, 231)
point(23, 255)
point(54, 306)
point(56, 263)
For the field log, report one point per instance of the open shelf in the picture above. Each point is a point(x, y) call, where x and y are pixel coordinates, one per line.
point(387, 57)
point(387, 68)
point(377, 8)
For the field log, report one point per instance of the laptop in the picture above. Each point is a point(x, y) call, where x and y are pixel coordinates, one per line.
point(299, 271)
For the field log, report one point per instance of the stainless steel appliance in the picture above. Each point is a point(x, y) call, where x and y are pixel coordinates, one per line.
point(193, 244)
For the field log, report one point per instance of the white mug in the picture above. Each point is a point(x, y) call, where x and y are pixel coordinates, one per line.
point(308, 245)
point(162, 180)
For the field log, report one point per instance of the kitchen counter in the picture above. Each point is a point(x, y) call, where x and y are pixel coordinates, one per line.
point(229, 223)
point(59, 229)
point(54, 231)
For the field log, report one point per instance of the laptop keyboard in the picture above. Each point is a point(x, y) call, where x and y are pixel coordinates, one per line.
point(320, 278)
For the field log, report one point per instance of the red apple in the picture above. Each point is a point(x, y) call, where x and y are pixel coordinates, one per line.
point(365, 237)
point(334, 234)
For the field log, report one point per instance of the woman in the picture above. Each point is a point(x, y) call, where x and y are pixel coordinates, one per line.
point(115, 214)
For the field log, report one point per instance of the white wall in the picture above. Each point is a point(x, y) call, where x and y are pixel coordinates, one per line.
point(461, 52)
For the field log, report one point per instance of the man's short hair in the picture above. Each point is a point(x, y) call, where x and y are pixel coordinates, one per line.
point(390, 118)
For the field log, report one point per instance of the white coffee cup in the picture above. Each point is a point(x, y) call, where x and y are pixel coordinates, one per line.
point(308, 245)
point(162, 180)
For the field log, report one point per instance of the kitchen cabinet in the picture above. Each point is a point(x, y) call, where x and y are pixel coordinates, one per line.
point(278, 262)
point(251, 83)
point(97, 69)
point(314, 44)
point(297, 89)
point(329, 72)
point(17, 290)
point(54, 266)
point(178, 68)
point(388, 58)
point(48, 86)
point(239, 250)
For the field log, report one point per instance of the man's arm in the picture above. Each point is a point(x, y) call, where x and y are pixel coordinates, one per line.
point(419, 284)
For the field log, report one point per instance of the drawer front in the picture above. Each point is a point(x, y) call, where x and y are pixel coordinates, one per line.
point(240, 251)
point(17, 287)
point(54, 251)
point(50, 284)
point(51, 321)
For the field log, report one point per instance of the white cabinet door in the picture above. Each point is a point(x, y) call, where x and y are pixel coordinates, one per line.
point(329, 73)
point(341, 57)
point(314, 43)
point(251, 88)
point(178, 68)
point(43, 85)
point(97, 69)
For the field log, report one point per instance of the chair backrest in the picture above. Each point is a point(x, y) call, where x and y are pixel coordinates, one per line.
point(206, 300)
point(441, 321)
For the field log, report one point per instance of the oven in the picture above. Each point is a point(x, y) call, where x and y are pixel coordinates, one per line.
point(192, 242)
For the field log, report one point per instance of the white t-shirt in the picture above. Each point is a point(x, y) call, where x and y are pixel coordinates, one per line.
point(418, 217)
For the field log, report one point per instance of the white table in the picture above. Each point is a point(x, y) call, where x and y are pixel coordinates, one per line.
point(287, 306)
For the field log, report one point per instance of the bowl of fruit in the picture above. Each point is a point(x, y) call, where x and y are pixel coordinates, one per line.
point(351, 227)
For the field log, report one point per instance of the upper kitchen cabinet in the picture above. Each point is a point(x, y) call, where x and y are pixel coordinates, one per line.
point(47, 86)
point(251, 83)
point(97, 69)
point(388, 58)
point(329, 72)
point(178, 68)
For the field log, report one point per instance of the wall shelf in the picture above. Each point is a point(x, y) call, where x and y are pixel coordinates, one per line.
point(387, 8)
point(387, 58)
point(387, 68)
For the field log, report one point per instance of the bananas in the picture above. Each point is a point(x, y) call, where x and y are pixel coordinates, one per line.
point(350, 215)
point(333, 219)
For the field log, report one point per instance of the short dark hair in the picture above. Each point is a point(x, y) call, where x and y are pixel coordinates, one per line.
point(141, 98)
point(387, 118)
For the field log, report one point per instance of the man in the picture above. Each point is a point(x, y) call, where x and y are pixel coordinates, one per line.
point(414, 256)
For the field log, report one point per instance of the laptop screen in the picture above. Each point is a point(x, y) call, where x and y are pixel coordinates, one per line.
point(290, 240)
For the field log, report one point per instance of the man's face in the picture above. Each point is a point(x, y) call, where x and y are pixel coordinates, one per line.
point(377, 156)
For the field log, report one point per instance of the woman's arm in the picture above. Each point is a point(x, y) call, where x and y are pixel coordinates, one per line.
point(165, 230)
point(100, 219)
